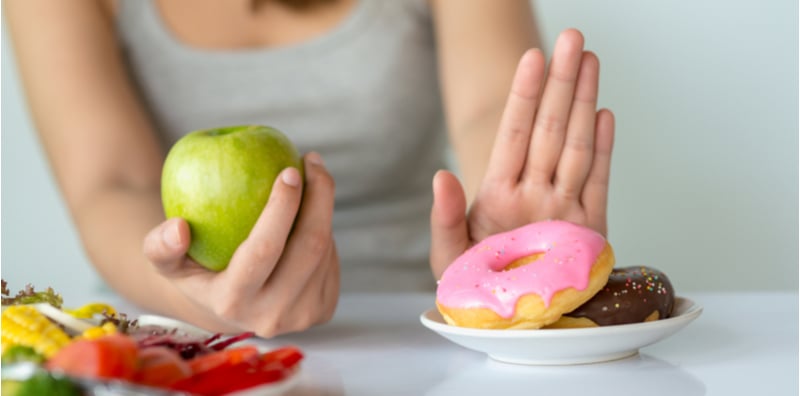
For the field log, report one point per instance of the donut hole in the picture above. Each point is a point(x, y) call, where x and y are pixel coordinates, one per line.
point(523, 261)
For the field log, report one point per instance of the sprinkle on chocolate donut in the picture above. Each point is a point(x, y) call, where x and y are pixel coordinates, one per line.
point(632, 295)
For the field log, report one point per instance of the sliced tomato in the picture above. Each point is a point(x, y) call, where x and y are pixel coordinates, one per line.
point(201, 364)
point(228, 378)
point(220, 373)
point(161, 367)
point(111, 356)
point(286, 357)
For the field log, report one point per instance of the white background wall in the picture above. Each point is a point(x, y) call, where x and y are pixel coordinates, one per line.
point(705, 171)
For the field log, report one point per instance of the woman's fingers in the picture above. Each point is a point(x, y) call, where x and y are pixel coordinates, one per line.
point(255, 259)
point(552, 117)
point(311, 239)
point(595, 192)
point(576, 156)
point(292, 298)
point(330, 288)
point(513, 137)
point(165, 246)
point(449, 230)
point(316, 301)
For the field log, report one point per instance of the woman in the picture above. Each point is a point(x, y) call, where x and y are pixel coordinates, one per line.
point(369, 85)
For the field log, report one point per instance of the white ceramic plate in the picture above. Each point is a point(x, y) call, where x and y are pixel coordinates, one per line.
point(23, 371)
point(170, 323)
point(273, 388)
point(565, 346)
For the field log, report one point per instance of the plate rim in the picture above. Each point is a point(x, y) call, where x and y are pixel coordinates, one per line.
point(169, 322)
point(692, 312)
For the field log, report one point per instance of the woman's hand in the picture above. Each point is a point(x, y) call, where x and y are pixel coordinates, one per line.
point(280, 279)
point(551, 157)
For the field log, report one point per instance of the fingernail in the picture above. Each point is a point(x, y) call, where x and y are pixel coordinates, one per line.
point(314, 158)
point(291, 177)
point(171, 235)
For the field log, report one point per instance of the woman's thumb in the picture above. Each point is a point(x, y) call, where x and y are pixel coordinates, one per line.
point(449, 231)
point(166, 245)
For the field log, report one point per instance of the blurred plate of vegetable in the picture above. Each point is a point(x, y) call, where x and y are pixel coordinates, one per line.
point(95, 350)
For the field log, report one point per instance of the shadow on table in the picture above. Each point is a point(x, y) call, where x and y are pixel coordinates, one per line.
point(318, 377)
point(359, 357)
point(640, 374)
point(707, 341)
point(341, 335)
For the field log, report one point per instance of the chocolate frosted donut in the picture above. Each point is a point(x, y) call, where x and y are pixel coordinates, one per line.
point(632, 295)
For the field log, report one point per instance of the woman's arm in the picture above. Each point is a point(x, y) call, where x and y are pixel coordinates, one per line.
point(479, 45)
point(107, 161)
point(101, 147)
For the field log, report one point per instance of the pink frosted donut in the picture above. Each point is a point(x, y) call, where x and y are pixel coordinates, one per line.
point(525, 278)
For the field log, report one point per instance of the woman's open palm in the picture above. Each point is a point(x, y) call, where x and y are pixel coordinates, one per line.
point(551, 157)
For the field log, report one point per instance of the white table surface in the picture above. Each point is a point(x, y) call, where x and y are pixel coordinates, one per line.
point(742, 344)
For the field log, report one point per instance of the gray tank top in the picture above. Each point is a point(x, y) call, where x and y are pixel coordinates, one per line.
point(365, 96)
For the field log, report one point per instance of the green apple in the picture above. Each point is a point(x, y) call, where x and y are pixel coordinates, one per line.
point(219, 181)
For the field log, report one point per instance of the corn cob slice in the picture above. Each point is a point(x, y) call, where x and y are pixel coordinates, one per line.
point(24, 325)
point(99, 331)
point(89, 310)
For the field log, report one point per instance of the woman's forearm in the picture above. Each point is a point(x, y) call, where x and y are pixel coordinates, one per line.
point(113, 223)
point(102, 148)
point(479, 45)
